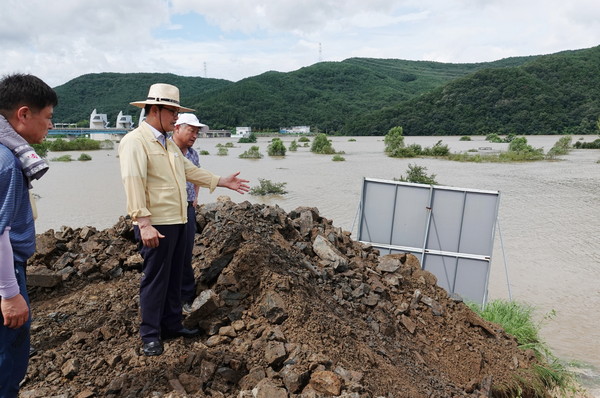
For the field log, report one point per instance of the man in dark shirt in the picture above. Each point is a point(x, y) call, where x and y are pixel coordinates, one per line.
point(26, 110)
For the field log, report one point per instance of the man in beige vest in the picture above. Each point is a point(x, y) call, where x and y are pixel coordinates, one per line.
point(154, 173)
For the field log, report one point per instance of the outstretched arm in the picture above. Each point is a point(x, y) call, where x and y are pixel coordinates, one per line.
point(234, 183)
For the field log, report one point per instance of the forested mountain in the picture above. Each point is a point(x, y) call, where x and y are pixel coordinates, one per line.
point(328, 94)
point(324, 95)
point(111, 93)
point(365, 96)
point(550, 94)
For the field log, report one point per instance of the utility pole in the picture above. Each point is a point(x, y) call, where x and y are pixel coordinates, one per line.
point(205, 69)
point(320, 53)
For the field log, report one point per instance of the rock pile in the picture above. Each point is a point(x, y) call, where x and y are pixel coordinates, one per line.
point(290, 306)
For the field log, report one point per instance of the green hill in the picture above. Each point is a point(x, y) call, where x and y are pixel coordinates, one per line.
point(558, 93)
point(111, 93)
point(324, 95)
point(327, 94)
point(364, 96)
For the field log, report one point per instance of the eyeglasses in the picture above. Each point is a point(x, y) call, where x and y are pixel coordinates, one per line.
point(173, 112)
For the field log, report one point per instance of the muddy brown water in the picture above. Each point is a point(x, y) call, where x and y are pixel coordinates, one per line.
point(549, 214)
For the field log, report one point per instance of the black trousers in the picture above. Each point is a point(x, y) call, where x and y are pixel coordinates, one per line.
point(188, 284)
point(160, 287)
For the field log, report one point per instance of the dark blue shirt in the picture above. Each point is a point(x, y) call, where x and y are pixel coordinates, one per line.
point(15, 207)
point(193, 156)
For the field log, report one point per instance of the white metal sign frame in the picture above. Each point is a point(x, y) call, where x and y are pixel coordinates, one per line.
point(450, 229)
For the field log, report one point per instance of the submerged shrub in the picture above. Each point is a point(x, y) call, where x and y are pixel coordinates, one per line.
point(107, 144)
point(267, 187)
point(493, 137)
point(293, 146)
point(519, 149)
point(588, 145)
point(439, 149)
point(250, 139)
point(561, 147)
point(394, 141)
point(41, 149)
point(252, 153)
point(321, 144)
point(84, 157)
point(63, 158)
point(276, 148)
point(417, 174)
point(406, 152)
point(222, 151)
point(338, 158)
point(78, 144)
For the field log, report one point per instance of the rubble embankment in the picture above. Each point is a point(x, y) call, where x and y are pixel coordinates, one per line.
point(289, 306)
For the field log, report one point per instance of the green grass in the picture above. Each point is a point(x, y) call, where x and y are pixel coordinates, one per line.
point(517, 320)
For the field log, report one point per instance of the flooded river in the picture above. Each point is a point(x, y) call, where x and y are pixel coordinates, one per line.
point(549, 214)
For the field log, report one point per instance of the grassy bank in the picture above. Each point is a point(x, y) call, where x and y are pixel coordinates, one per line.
point(517, 320)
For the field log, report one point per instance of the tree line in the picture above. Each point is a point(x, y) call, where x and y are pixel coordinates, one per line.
point(551, 94)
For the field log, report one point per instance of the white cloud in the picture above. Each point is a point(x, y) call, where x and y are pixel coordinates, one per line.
point(62, 40)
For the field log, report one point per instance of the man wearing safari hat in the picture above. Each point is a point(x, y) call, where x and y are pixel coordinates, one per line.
point(154, 174)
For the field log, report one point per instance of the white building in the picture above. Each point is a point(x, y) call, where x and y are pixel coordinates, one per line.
point(124, 121)
point(100, 131)
point(295, 130)
point(98, 120)
point(242, 132)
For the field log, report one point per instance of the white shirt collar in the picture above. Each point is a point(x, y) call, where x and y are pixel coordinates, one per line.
point(155, 131)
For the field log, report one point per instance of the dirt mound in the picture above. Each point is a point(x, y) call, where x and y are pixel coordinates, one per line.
point(290, 306)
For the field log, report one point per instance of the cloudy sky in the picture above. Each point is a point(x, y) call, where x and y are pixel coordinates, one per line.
point(234, 39)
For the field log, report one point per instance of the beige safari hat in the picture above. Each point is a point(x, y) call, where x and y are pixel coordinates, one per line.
point(162, 94)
